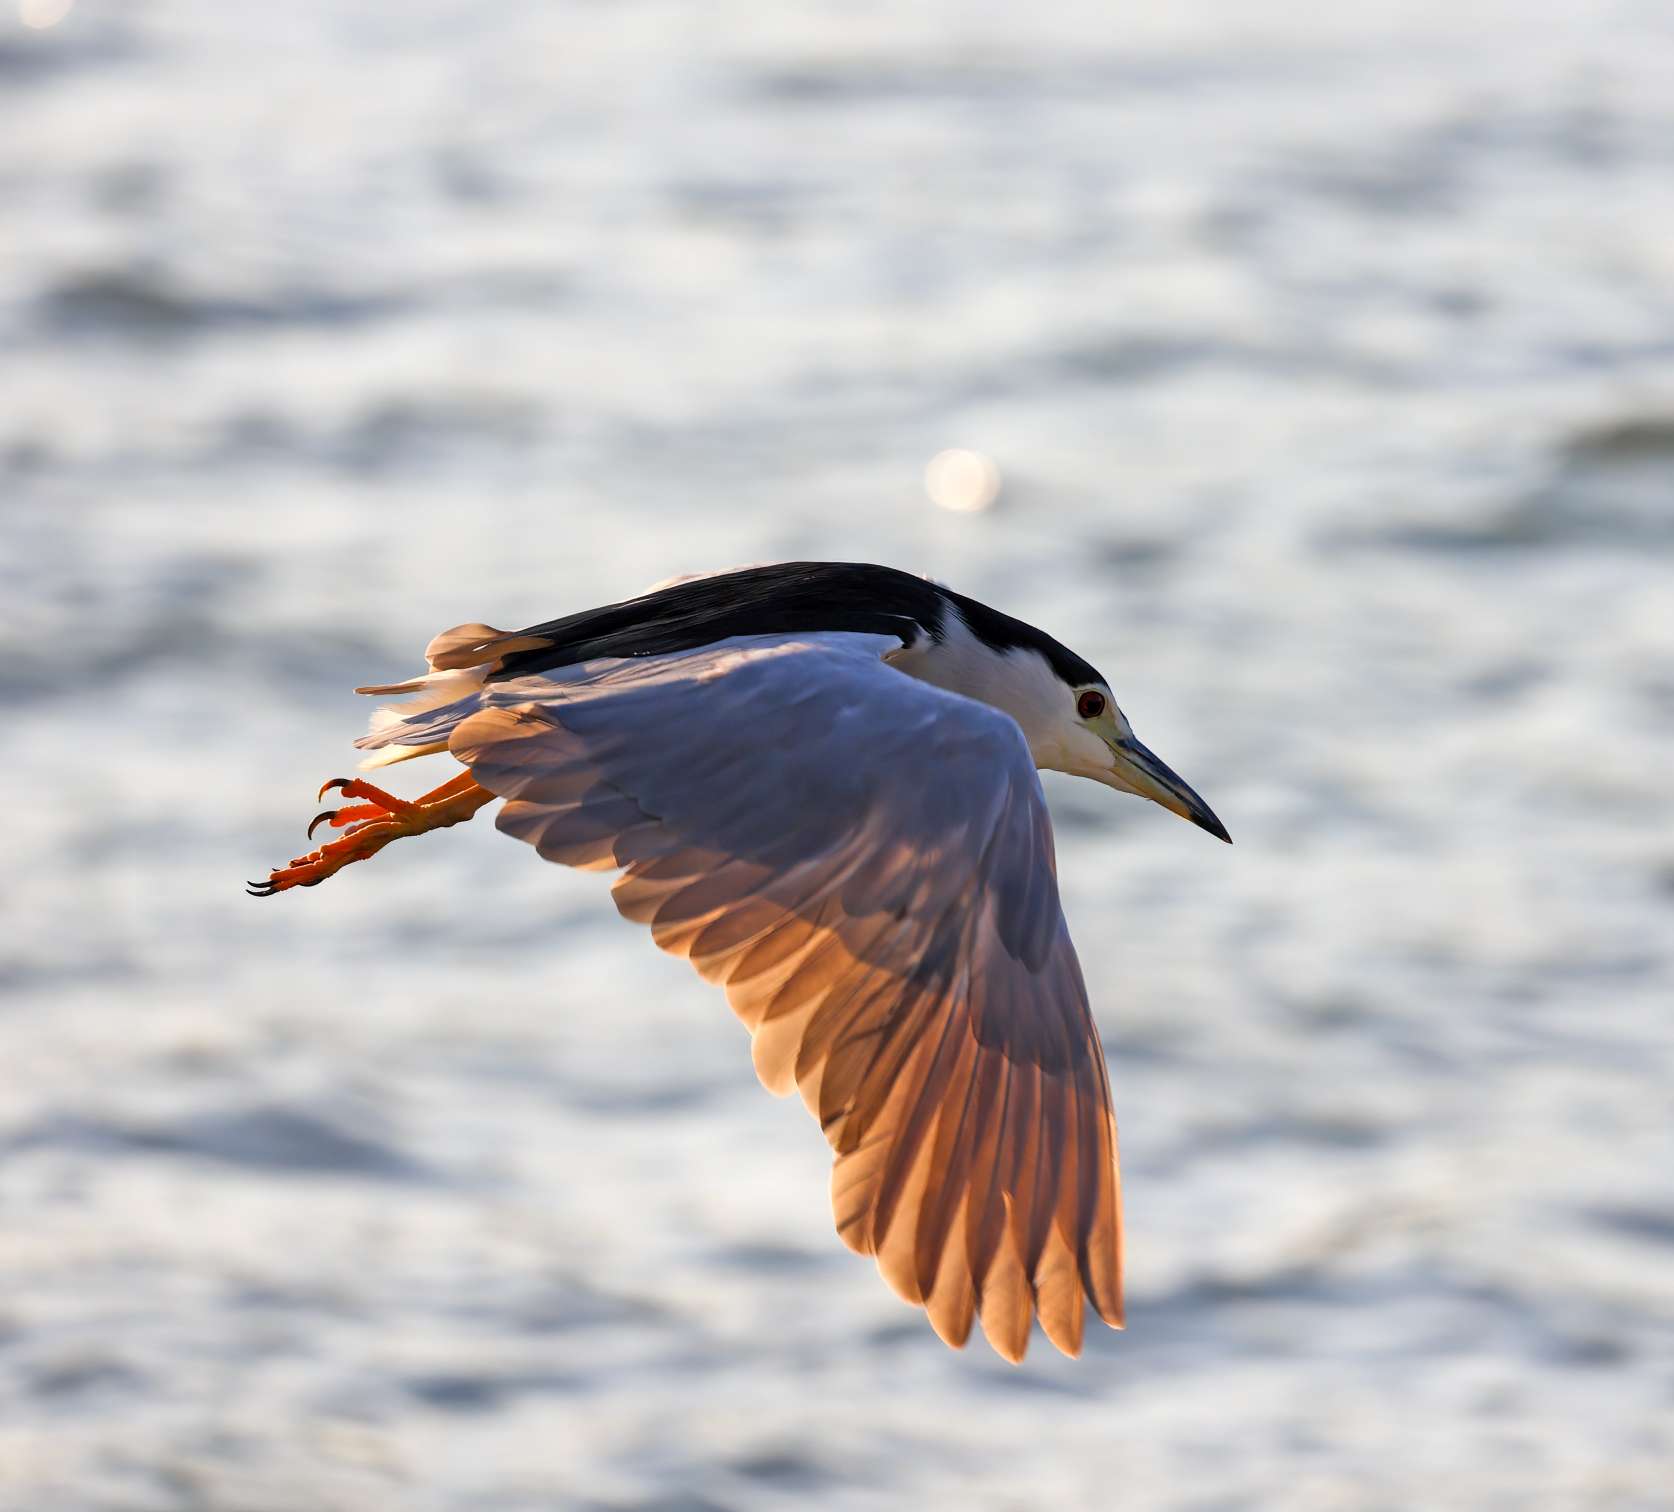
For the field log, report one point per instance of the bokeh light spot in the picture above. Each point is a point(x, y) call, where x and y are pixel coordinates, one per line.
point(963, 481)
point(39, 15)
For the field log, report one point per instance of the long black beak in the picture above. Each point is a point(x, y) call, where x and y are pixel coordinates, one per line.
point(1147, 774)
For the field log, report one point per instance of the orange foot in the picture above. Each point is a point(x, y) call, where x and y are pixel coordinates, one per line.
point(371, 826)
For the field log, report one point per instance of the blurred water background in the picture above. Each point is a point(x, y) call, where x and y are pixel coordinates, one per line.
point(1327, 355)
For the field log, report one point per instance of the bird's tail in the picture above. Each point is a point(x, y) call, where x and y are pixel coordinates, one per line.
point(461, 661)
point(420, 725)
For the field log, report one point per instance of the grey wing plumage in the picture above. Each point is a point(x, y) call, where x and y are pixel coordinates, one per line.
point(865, 863)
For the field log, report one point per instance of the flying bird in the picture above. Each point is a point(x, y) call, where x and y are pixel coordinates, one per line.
point(817, 781)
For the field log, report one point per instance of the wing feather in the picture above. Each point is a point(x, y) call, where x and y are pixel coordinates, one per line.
point(864, 863)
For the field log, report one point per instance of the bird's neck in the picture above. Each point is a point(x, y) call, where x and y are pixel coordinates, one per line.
point(1017, 681)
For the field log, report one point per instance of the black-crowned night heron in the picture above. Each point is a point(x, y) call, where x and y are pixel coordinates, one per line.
point(817, 781)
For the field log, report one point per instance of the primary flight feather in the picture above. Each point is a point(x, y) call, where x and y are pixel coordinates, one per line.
point(817, 781)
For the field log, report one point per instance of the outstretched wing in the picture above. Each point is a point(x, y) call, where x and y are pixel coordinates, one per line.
point(865, 863)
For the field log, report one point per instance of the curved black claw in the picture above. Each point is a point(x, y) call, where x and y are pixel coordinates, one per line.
point(326, 787)
point(319, 819)
point(260, 889)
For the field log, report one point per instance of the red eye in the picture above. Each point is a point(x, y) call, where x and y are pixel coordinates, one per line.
point(1090, 705)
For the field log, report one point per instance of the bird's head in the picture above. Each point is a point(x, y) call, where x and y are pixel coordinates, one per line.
point(1064, 706)
point(1089, 736)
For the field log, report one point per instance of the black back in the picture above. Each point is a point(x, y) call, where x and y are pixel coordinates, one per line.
point(785, 598)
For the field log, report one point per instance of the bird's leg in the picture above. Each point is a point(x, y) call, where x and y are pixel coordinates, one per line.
point(371, 824)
